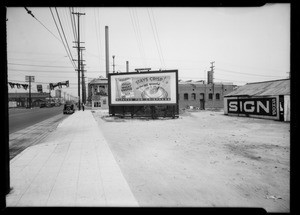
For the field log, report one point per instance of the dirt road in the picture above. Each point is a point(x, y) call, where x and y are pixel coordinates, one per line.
point(203, 159)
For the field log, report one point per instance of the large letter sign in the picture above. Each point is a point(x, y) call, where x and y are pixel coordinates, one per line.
point(254, 106)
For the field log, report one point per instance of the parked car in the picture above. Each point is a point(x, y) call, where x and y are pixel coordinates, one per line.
point(42, 105)
point(69, 107)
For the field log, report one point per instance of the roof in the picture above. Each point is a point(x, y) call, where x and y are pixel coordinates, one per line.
point(267, 88)
point(99, 81)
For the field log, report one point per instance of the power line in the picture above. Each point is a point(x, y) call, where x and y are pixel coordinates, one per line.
point(159, 45)
point(134, 20)
point(38, 65)
point(29, 12)
point(64, 34)
point(27, 70)
point(135, 33)
point(61, 38)
point(97, 31)
point(160, 58)
point(140, 35)
point(73, 23)
point(230, 71)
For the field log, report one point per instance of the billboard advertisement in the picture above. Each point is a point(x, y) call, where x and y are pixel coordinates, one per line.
point(143, 88)
point(253, 106)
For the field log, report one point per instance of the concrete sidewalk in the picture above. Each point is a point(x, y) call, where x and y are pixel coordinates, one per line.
point(71, 167)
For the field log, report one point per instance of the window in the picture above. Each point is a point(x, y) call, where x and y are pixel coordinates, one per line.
point(210, 96)
point(201, 96)
point(186, 96)
point(193, 96)
point(218, 96)
point(97, 104)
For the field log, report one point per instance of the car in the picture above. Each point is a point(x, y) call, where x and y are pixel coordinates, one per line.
point(42, 105)
point(69, 107)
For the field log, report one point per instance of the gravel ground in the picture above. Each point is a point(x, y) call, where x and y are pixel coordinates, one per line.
point(203, 159)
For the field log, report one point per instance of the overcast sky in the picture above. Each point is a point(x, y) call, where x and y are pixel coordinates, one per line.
point(247, 44)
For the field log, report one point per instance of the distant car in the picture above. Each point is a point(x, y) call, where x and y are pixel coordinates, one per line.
point(69, 107)
point(42, 105)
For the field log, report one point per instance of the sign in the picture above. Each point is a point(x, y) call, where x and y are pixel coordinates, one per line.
point(254, 106)
point(143, 88)
point(29, 78)
point(39, 88)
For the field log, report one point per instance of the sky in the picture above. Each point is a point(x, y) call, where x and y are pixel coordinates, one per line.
point(246, 44)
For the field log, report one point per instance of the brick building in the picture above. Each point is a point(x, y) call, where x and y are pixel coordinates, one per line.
point(201, 95)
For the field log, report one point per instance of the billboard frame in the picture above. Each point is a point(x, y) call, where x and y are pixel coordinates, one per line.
point(113, 107)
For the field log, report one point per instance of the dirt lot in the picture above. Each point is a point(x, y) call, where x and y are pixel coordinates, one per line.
point(203, 159)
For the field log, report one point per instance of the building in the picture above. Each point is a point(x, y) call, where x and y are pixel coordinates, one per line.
point(58, 93)
point(268, 100)
point(22, 99)
point(98, 93)
point(196, 94)
point(200, 95)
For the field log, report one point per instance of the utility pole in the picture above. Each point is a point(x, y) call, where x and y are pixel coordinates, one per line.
point(30, 92)
point(29, 79)
point(106, 51)
point(212, 81)
point(78, 50)
point(82, 80)
point(113, 63)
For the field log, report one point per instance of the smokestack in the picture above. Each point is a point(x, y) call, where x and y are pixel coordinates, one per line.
point(106, 51)
point(127, 66)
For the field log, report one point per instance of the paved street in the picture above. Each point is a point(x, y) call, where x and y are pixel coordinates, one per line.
point(21, 118)
point(29, 136)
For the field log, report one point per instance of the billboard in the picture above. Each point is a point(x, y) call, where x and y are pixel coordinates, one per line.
point(146, 88)
point(253, 106)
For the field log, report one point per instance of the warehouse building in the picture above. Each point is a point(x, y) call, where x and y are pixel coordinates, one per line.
point(22, 99)
point(198, 94)
point(268, 100)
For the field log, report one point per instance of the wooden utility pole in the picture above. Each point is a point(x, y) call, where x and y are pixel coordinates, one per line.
point(212, 81)
point(78, 51)
point(107, 50)
point(29, 91)
point(83, 80)
point(113, 63)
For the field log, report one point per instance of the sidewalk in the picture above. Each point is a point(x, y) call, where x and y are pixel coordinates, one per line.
point(71, 167)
